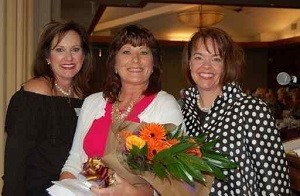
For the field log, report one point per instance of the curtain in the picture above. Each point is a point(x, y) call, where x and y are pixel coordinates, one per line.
point(16, 54)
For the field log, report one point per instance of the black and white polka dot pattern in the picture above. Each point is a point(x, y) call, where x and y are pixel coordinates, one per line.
point(248, 135)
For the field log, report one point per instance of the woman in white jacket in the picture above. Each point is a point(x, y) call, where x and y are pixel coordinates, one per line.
point(132, 92)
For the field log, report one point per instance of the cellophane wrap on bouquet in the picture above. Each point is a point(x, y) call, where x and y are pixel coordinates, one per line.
point(181, 168)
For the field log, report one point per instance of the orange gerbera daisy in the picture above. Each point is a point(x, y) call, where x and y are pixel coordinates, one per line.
point(153, 131)
point(156, 146)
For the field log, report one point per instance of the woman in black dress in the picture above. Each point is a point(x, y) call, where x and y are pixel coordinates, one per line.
point(41, 116)
point(216, 105)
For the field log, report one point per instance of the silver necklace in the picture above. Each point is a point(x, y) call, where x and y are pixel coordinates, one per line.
point(62, 91)
point(200, 107)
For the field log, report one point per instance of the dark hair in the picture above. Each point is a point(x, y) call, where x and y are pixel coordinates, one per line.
point(59, 29)
point(230, 52)
point(136, 36)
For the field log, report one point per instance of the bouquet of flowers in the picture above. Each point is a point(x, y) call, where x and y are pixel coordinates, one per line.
point(167, 153)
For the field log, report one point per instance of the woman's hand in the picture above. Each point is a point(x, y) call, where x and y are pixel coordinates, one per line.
point(66, 175)
point(122, 187)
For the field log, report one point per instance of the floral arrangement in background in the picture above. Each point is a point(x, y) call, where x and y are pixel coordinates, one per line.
point(170, 154)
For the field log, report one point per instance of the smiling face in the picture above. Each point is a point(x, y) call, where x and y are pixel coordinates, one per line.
point(206, 66)
point(66, 57)
point(134, 65)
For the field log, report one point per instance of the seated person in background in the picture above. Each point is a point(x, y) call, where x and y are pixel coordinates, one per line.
point(295, 105)
point(260, 93)
point(273, 104)
point(284, 98)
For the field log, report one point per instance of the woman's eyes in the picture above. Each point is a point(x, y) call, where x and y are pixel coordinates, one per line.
point(59, 49)
point(198, 57)
point(217, 59)
point(141, 52)
point(144, 52)
point(213, 59)
point(76, 49)
point(126, 52)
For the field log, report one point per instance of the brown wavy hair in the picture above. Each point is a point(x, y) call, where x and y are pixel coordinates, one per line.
point(42, 69)
point(231, 53)
point(136, 36)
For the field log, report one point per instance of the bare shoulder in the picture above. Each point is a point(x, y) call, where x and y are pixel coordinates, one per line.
point(38, 85)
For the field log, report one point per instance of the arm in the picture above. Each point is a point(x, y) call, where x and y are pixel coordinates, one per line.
point(21, 129)
point(92, 108)
point(66, 175)
point(74, 162)
point(265, 148)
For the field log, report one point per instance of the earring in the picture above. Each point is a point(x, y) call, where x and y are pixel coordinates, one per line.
point(116, 71)
point(48, 62)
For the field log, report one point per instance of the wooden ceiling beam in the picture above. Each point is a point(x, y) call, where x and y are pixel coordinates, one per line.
point(251, 3)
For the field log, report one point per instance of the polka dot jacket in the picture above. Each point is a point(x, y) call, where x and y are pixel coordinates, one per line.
point(248, 135)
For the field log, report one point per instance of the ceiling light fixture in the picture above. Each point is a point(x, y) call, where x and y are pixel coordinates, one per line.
point(201, 17)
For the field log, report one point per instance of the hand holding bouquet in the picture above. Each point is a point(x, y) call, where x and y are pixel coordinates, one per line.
point(94, 170)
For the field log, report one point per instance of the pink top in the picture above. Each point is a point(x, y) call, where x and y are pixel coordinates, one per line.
point(95, 140)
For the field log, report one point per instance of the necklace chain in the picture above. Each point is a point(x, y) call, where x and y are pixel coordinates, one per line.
point(200, 107)
point(62, 91)
point(117, 114)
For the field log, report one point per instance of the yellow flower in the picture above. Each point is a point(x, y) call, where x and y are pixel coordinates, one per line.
point(134, 140)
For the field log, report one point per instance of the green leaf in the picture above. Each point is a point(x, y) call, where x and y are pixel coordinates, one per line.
point(179, 172)
point(192, 170)
point(180, 147)
point(135, 150)
point(144, 150)
point(219, 160)
point(168, 160)
point(196, 162)
point(200, 139)
point(209, 145)
point(217, 172)
point(159, 170)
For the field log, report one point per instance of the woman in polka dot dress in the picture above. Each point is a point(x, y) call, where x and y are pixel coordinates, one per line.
point(244, 125)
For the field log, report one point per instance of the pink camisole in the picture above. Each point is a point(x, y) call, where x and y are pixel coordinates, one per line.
point(95, 140)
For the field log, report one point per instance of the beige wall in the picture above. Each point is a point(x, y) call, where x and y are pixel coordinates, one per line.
point(2, 83)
